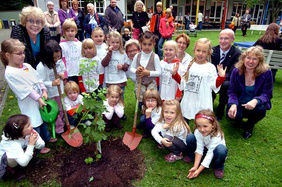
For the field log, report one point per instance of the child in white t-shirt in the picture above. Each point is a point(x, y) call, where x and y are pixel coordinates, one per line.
point(71, 50)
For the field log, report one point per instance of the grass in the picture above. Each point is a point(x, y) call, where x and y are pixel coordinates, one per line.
point(253, 162)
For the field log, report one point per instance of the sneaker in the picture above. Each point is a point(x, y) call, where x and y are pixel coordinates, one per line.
point(45, 150)
point(186, 159)
point(172, 158)
point(218, 174)
point(88, 123)
point(161, 146)
point(53, 140)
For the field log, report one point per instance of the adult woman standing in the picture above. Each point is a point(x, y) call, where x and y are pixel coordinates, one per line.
point(92, 20)
point(65, 12)
point(250, 90)
point(80, 20)
point(31, 33)
point(53, 22)
point(271, 40)
point(139, 18)
point(237, 22)
point(183, 42)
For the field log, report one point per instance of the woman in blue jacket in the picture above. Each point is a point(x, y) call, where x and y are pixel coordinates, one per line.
point(250, 90)
point(92, 20)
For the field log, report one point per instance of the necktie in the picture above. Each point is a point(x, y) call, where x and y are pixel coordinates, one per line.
point(222, 58)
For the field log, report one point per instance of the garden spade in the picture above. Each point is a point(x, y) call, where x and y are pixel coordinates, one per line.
point(131, 139)
point(72, 136)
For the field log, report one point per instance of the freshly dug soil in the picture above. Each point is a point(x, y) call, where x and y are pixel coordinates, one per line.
point(117, 167)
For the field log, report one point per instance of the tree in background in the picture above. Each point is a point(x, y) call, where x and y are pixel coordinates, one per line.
point(276, 6)
point(14, 4)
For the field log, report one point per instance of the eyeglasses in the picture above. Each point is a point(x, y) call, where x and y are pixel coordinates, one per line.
point(182, 43)
point(20, 53)
point(132, 51)
point(151, 100)
point(37, 22)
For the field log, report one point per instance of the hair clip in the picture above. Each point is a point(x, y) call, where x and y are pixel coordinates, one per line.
point(204, 116)
point(15, 125)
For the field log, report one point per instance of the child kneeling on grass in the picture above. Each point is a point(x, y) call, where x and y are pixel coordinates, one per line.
point(208, 142)
point(115, 108)
point(171, 130)
point(17, 147)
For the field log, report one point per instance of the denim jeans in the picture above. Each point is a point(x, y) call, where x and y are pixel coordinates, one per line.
point(42, 130)
point(200, 25)
point(188, 25)
point(219, 153)
point(160, 46)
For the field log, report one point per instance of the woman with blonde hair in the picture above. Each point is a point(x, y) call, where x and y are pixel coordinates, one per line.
point(31, 33)
point(250, 90)
point(139, 18)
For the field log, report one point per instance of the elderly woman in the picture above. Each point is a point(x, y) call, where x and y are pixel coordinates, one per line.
point(32, 34)
point(80, 20)
point(92, 20)
point(53, 22)
point(65, 12)
point(139, 18)
point(250, 90)
point(271, 40)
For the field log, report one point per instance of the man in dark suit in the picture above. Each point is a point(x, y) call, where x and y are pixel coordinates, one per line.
point(227, 55)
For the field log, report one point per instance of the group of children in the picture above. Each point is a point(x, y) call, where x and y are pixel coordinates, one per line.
point(162, 115)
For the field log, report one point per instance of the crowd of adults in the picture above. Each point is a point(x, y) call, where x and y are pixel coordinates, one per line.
point(249, 80)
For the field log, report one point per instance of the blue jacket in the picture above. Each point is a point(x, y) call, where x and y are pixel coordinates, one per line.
point(263, 88)
point(100, 22)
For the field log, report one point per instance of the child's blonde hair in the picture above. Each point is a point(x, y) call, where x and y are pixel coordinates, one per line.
point(209, 115)
point(116, 89)
point(168, 11)
point(9, 46)
point(88, 43)
point(69, 24)
point(179, 121)
point(126, 29)
point(151, 93)
point(71, 86)
point(159, 4)
point(97, 29)
point(173, 43)
point(115, 34)
point(202, 41)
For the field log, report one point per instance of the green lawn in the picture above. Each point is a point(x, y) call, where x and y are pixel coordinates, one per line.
point(253, 162)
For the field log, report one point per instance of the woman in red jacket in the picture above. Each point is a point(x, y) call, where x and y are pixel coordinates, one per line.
point(166, 29)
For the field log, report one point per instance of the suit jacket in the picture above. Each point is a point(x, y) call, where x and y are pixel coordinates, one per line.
point(230, 60)
point(263, 88)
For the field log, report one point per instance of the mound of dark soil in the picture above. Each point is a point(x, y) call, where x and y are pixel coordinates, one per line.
point(118, 166)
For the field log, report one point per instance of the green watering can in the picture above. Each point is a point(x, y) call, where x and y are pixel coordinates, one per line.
point(50, 113)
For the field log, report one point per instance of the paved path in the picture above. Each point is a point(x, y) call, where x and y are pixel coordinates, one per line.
point(4, 34)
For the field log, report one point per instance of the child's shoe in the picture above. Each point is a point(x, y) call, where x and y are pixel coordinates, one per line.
point(172, 158)
point(218, 174)
point(119, 126)
point(186, 159)
point(53, 140)
point(19, 173)
point(45, 150)
point(108, 129)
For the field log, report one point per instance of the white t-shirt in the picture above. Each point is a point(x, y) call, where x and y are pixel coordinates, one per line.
point(210, 143)
point(129, 74)
point(101, 50)
point(168, 86)
point(22, 83)
point(112, 74)
point(48, 76)
point(198, 90)
point(186, 60)
point(71, 52)
point(94, 73)
point(69, 104)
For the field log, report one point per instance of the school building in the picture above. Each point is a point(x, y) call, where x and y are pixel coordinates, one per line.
point(213, 10)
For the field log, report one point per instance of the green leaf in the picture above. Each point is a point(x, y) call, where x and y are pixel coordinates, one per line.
point(91, 179)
